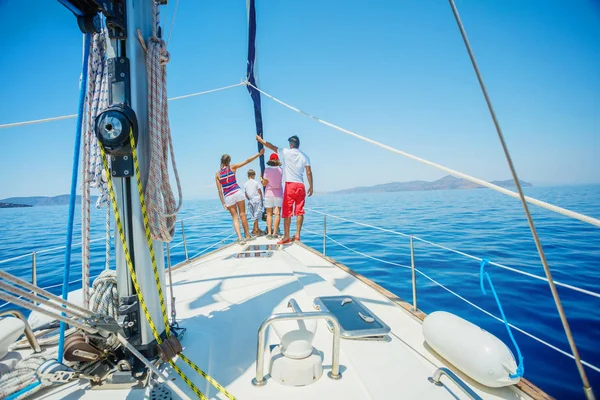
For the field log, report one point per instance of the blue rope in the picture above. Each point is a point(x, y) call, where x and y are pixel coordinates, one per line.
point(23, 391)
point(520, 369)
point(67, 269)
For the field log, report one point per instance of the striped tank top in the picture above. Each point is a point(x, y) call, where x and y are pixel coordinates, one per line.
point(228, 181)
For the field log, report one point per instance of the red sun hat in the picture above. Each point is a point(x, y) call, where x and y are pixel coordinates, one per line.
point(274, 156)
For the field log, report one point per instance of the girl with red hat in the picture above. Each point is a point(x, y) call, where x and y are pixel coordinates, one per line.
point(271, 180)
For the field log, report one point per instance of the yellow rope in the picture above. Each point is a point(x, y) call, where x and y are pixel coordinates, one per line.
point(156, 275)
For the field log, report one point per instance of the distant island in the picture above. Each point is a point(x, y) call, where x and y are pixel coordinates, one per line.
point(13, 205)
point(35, 201)
point(446, 183)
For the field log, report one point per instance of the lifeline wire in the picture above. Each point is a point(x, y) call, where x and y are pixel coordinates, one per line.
point(462, 253)
point(530, 335)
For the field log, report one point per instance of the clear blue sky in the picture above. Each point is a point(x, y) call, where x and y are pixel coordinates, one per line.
point(395, 71)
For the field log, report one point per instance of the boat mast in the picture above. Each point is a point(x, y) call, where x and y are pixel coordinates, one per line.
point(139, 16)
point(128, 106)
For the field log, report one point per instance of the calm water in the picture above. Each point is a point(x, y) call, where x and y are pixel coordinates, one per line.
point(479, 222)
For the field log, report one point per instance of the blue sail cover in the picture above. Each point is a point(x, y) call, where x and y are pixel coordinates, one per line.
point(251, 76)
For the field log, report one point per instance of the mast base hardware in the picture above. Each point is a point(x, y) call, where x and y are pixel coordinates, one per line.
point(100, 370)
point(104, 324)
point(52, 372)
point(169, 348)
point(78, 348)
point(59, 377)
point(122, 376)
point(129, 312)
point(122, 380)
point(177, 330)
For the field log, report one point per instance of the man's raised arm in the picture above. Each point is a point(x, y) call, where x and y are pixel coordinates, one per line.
point(266, 144)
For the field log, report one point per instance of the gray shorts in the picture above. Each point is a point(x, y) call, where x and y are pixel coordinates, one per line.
point(255, 208)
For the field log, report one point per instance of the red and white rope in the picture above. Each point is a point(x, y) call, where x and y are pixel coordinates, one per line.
point(85, 220)
point(160, 200)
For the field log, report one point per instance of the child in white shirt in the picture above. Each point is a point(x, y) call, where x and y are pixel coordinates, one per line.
point(254, 195)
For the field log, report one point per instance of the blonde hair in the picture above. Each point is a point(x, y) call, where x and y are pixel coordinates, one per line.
point(251, 173)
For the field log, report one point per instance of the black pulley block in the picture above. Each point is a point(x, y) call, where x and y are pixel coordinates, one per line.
point(113, 126)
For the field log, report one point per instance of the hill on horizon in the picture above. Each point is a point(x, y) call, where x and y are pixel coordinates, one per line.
point(35, 201)
point(446, 183)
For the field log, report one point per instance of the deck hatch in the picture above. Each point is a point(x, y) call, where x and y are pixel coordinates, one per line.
point(261, 247)
point(356, 320)
point(251, 254)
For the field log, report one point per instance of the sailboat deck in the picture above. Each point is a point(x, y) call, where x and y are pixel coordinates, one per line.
point(222, 302)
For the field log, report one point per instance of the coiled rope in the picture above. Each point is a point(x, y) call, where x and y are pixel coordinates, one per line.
point(160, 201)
point(21, 382)
point(97, 101)
point(104, 298)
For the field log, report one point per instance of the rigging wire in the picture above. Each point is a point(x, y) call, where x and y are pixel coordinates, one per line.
point(172, 22)
point(164, 14)
point(71, 116)
point(586, 385)
point(543, 204)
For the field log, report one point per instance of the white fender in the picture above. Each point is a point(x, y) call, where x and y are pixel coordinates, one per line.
point(476, 352)
point(10, 330)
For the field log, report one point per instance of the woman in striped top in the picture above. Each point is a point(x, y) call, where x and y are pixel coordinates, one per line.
point(231, 195)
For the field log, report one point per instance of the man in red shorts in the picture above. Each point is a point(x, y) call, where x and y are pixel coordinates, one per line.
point(295, 163)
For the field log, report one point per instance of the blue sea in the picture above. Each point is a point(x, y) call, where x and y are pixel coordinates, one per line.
point(479, 222)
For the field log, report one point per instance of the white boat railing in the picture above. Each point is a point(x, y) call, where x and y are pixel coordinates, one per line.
point(496, 264)
point(327, 237)
point(35, 254)
point(184, 242)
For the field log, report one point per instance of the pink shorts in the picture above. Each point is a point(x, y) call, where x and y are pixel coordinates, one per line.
point(294, 195)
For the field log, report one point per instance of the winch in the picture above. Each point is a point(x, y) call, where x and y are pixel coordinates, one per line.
point(113, 126)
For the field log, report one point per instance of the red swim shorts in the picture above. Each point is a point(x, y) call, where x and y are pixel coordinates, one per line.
point(294, 195)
